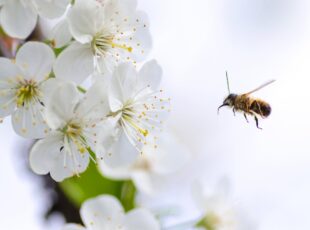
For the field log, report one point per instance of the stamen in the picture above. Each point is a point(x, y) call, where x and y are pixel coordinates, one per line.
point(129, 49)
point(129, 119)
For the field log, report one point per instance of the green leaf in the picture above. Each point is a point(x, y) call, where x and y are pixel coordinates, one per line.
point(91, 184)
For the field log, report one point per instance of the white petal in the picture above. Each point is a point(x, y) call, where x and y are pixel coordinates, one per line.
point(28, 121)
point(44, 152)
point(94, 105)
point(73, 227)
point(60, 106)
point(134, 33)
point(115, 104)
point(17, 20)
point(121, 153)
point(123, 83)
point(143, 181)
point(115, 173)
point(102, 213)
point(48, 87)
point(7, 102)
point(170, 155)
point(60, 34)
point(49, 156)
point(51, 8)
point(141, 219)
point(69, 164)
point(36, 60)
point(85, 19)
point(123, 7)
point(75, 63)
point(150, 75)
point(8, 72)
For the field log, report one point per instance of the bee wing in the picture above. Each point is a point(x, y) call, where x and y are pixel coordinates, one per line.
point(260, 87)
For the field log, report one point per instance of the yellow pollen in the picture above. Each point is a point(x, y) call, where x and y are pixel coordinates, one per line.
point(26, 93)
point(114, 45)
point(144, 132)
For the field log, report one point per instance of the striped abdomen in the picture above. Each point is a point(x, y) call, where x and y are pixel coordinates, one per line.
point(260, 107)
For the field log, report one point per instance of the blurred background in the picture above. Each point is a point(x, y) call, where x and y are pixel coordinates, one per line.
point(196, 42)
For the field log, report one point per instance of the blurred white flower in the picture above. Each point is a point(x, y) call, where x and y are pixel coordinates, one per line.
point(106, 213)
point(219, 212)
point(138, 109)
point(24, 85)
point(60, 35)
point(19, 17)
point(75, 123)
point(150, 168)
point(106, 33)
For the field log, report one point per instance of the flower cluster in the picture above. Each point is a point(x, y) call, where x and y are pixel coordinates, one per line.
point(89, 94)
point(106, 213)
point(114, 119)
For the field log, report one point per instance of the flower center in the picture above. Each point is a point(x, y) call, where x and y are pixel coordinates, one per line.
point(128, 116)
point(104, 41)
point(27, 92)
point(73, 132)
point(210, 222)
point(143, 165)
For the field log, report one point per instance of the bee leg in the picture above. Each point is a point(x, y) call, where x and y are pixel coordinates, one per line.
point(246, 118)
point(256, 120)
point(234, 111)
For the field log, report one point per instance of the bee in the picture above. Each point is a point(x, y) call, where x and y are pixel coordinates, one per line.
point(246, 104)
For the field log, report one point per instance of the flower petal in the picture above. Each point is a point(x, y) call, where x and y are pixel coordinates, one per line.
point(85, 19)
point(164, 157)
point(51, 8)
point(103, 212)
point(75, 63)
point(18, 20)
point(35, 59)
point(123, 83)
point(115, 173)
point(143, 181)
point(134, 33)
point(141, 219)
point(48, 87)
point(121, 152)
point(49, 156)
point(70, 162)
point(60, 34)
point(94, 105)
point(73, 227)
point(150, 75)
point(7, 102)
point(28, 121)
point(44, 152)
point(8, 72)
point(60, 105)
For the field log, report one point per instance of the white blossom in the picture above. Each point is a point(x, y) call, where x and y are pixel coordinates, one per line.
point(24, 84)
point(138, 108)
point(151, 168)
point(106, 213)
point(219, 211)
point(19, 17)
point(106, 33)
point(75, 123)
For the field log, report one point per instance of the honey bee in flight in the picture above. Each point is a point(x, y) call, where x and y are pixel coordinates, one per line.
point(246, 104)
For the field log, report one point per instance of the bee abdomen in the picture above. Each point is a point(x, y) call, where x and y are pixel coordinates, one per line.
point(260, 107)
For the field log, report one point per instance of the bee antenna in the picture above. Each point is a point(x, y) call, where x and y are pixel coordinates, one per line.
point(227, 80)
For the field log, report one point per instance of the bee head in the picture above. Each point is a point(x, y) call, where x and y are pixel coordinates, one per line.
point(228, 101)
